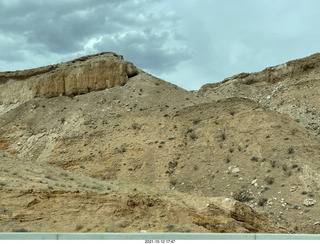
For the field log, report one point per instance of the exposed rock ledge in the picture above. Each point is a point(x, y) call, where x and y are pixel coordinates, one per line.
point(80, 76)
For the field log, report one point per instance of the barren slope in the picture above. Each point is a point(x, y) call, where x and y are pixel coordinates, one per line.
point(150, 155)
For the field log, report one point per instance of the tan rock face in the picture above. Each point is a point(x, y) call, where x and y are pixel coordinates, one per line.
point(80, 76)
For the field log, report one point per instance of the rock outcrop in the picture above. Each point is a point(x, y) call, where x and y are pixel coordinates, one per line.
point(239, 156)
point(80, 76)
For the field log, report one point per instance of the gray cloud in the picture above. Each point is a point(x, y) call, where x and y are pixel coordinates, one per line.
point(146, 49)
point(69, 28)
point(189, 43)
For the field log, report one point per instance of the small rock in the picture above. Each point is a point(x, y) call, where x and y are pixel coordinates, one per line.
point(254, 181)
point(294, 188)
point(235, 170)
point(317, 223)
point(309, 202)
point(143, 231)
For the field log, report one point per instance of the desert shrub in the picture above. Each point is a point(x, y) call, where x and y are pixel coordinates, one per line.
point(122, 149)
point(255, 159)
point(223, 136)
point(284, 167)
point(304, 193)
point(173, 182)
point(243, 195)
point(290, 150)
point(286, 170)
point(294, 131)
point(288, 173)
point(193, 136)
point(269, 180)
point(49, 177)
point(196, 121)
point(136, 126)
point(273, 163)
point(79, 227)
point(170, 227)
point(262, 201)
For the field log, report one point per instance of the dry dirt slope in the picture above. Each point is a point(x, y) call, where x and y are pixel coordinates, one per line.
point(151, 156)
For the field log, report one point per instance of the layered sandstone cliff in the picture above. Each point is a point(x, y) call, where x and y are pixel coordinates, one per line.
point(80, 76)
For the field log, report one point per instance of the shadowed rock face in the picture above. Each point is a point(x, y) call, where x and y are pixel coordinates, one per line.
point(80, 76)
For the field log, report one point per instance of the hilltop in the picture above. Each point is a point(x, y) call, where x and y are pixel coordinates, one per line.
point(97, 144)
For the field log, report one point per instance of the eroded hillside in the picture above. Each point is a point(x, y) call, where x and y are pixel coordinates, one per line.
point(148, 155)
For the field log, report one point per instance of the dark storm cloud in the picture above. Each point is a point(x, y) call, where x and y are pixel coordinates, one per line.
point(65, 28)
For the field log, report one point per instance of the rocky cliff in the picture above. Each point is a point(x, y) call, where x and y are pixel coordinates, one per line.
point(80, 76)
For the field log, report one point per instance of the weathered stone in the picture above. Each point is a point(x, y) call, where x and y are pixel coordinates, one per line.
point(309, 202)
point(235, 170)
point(80, 76)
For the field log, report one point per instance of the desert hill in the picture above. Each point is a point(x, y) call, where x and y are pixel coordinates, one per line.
point(97, 144)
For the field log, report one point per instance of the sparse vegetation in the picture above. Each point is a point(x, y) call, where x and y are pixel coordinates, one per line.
point(79, 227)
point(286, 170)
point(196, 121)
point(193, 136)
point(273, 163)
point(49, 177)
point(170, 227)
point(294, 131)
point(243, 195)
point(173, 181)
point(254, 159)
point(262, 201)
point(223, 136)
point(162, 153)
point(290, 150)
point(136, 126)
point(269, 180)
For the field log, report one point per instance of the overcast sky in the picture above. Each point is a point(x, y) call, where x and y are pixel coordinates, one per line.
point(186, 42)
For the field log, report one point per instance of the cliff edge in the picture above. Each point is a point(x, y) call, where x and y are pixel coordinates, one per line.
point(79, 76)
